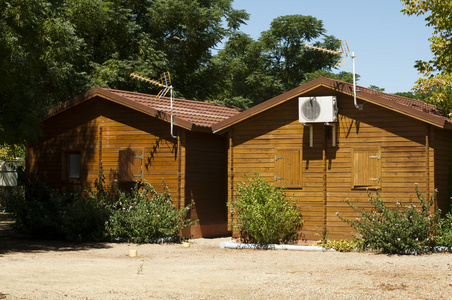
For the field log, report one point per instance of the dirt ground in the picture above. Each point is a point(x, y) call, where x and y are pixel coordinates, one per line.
point(36, 269)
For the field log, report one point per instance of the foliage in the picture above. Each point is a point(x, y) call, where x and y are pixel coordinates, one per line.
point(43, 212)
point(278, 61)
point(342, 76)
point(443, 237)
point(54, 50)
point(376, 88)
point(140, 215)
point(400, 229)
point(186, 31)
point(342, 245)
point(410, 94)
point(143, 215)
point(437, 73)
point(11, 152)
point(263, 215)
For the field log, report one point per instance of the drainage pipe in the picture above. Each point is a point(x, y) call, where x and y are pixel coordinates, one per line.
point(234, 245)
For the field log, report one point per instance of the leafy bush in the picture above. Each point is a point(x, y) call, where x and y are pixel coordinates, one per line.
point(263, 214)
point(400, 229)
point(43, 212)
point(342, 245)
point(140, 214)
point(443, 237)
point(144, 215)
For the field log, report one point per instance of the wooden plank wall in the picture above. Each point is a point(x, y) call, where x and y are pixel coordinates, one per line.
point(406, 158)
point(100, 129)
point(78, 131)
point(125, 128)
point(206, 183)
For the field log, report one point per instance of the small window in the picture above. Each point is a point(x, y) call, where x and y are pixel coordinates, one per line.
point(288, 167)
point(366, 168)
point(72, 165)
point(130, 165)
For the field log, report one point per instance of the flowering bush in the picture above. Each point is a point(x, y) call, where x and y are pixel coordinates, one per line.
point(443, 236)
point(264, 216)
point(400, 229)
point(144, 215)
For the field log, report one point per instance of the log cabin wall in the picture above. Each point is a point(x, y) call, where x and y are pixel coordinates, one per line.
point(131, 146)
point(64, 134)
point(375, 148)
point(146, 144)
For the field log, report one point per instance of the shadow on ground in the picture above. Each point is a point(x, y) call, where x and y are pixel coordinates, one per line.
point(11, 242)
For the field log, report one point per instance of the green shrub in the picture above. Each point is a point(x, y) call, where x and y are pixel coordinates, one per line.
point(139, 215)
point(342, 245)
point(143, 215)
point(443, 237)
point(44, 212)
point(400, 229)
point(263, 215)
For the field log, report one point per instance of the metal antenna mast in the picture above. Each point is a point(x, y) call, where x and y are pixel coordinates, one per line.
point(345, 55)
point(165, 82)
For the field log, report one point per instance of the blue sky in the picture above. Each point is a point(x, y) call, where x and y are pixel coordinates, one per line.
point(386, 42)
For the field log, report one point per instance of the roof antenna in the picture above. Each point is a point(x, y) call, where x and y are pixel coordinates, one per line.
point(165, 82)
point(345, 55)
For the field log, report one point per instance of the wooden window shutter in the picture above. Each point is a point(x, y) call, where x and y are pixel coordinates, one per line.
point(366, 168)
point(288, 168)
point(129, 164)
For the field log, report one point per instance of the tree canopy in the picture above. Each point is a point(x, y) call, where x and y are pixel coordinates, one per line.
point(250, 71)
point(437, 72)
point(53, 50)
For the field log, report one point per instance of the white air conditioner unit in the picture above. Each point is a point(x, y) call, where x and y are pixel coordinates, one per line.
point(321, 109)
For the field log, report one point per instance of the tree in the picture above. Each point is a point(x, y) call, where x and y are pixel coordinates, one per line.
point(342, 76)
point(251, 71)
point(437, 72)
point(53, 50)
point(376, 88)
point(186, 31)
point(10, 152)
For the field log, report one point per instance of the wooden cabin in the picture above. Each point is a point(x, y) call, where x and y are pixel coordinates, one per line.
point(129, 133)
point(384, 142)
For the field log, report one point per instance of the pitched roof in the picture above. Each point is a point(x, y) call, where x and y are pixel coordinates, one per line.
point(414, 108)
point(188, 114)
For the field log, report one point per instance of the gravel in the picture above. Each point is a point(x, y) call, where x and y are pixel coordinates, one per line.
point(36, 269)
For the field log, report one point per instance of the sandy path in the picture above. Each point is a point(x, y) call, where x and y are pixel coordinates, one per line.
point(52, 270)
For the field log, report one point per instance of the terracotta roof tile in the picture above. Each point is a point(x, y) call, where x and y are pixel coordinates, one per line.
point(412, 103)
point(188, 114)
point(199, 113)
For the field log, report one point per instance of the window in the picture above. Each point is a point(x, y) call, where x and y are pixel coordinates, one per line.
point(288, 165)
point(366, 168)
point(74, 166)
point(129, 165)
point(72, 161)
